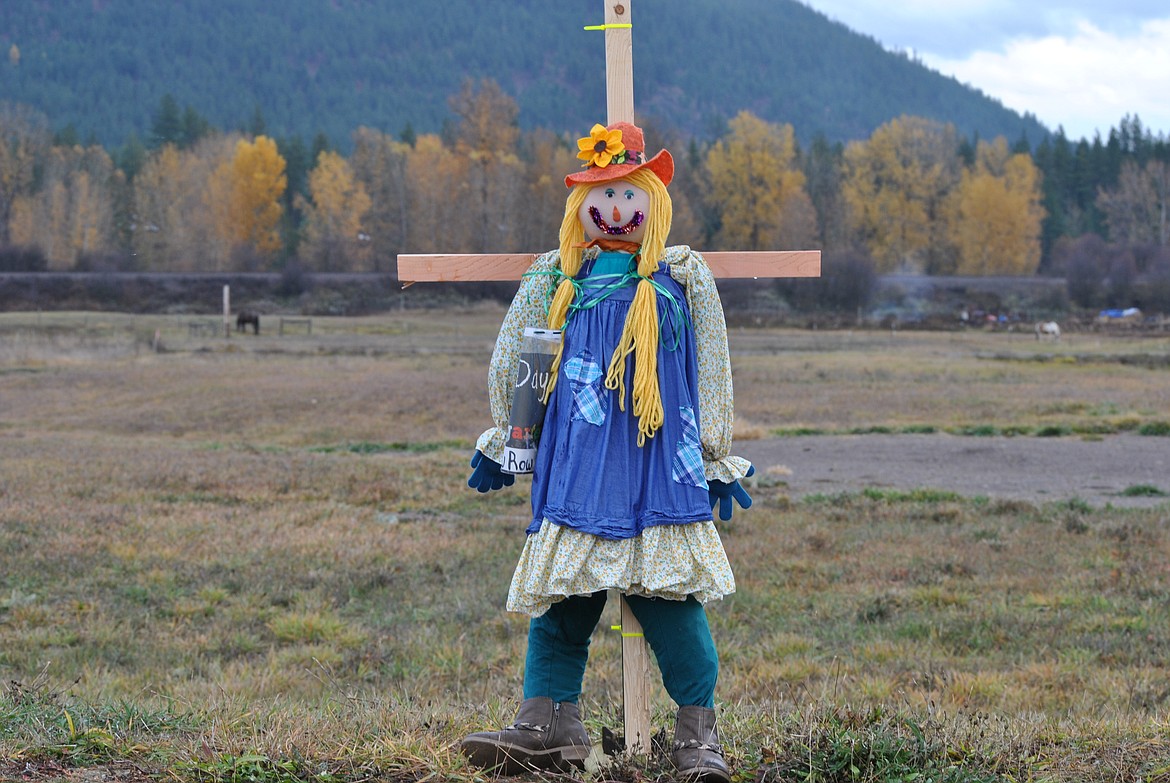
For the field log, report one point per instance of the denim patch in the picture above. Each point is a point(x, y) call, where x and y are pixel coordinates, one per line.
point(687, 466)
point(584, 376)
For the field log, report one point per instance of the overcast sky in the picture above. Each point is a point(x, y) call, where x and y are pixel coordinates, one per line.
point(1079, 64)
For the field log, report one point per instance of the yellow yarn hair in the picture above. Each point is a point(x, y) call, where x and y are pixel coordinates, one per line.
point(572, 236)
point(640, 332)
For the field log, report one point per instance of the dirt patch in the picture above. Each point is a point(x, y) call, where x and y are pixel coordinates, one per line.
point(47, 771)
point(1099, 472)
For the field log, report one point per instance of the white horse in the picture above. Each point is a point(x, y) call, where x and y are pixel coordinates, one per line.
point(1048, 329)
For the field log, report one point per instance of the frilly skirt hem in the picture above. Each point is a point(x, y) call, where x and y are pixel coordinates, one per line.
point(666, 561)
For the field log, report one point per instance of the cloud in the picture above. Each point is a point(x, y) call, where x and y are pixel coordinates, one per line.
point(957, 27)
point(1085, 80)
point(1080, 64)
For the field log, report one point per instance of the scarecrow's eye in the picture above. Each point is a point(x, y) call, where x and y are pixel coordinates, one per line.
point(609, 193)
point(629, 195)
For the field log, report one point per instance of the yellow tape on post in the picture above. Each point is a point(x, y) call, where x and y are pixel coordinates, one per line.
point(626, 635)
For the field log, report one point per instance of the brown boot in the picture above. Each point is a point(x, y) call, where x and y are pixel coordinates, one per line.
point(546, 735)
point(697, 752)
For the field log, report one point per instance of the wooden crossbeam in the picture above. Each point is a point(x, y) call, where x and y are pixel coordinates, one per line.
point(460, 268)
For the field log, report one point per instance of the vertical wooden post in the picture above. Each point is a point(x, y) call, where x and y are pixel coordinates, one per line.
point(619, 62)
point(227, 311)
point(636, 677)
point(619, 95)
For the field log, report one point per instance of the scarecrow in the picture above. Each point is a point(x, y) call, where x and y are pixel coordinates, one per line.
point(633, 456)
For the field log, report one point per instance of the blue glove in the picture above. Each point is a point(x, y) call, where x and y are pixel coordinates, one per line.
point(487, 474)
point(722, 493)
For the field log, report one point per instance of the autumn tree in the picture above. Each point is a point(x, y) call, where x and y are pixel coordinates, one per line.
point(547, 159)
point(995, 215)
point(176, 224)
point(164, 196)
point(442, 215)
point(24, 142)
point(488, 117)
point(896, 184)
point(245, 196)
point(379, 165)
point(1137, 209)
point(72, 214)
point(687, 189)
point(334, 239)
point(757, 189)
point(487, 135)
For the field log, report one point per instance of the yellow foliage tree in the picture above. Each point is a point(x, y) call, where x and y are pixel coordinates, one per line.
point(487, 136)
point(245, 194)
point(334, 239)
point(896, 185)
point(995, 214)
point(757, 189)
point(73, 213)
point(24, 140)
point(441, 212)
point(177, 198)
point(487, 118)
point(537, 219)
point(379, 165)
point(162, 194)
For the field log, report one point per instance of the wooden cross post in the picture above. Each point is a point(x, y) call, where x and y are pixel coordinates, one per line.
point(619, 83)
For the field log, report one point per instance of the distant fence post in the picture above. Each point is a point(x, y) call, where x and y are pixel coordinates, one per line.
point(227, 311)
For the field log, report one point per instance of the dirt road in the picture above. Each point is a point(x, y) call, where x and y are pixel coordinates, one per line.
point(1026, 468)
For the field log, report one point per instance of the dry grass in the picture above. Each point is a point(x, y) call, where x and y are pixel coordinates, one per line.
point(253, 560)
point(839, 381)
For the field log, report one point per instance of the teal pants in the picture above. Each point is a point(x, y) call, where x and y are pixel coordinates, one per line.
point(677, 631)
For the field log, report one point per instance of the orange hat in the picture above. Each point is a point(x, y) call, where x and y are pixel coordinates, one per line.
point(615, 152)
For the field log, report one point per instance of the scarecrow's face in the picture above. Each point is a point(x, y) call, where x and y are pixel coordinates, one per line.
point(615, 210)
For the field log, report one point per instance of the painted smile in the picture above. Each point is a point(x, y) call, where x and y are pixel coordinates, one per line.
point(627, 228)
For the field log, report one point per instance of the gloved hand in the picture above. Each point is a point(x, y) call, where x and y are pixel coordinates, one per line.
point(722, 493)
point(487, 474)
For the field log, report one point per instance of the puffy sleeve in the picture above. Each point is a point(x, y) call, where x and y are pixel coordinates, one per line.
point(529, 308)
point(716, 402)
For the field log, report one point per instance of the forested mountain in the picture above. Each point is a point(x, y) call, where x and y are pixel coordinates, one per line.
point(300, 67)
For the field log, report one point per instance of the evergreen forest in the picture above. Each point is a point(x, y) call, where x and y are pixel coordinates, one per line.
point(330, 66)
point(210, 141)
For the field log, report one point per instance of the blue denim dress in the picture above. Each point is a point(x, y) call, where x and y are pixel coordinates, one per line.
point(590, 474)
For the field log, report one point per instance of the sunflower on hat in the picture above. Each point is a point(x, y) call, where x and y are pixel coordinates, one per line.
point(617, 151)
point(602, 146)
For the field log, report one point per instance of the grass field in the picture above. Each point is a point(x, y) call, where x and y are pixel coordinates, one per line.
point(255, 559)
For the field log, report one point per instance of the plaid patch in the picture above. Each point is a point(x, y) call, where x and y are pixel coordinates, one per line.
point(687, 466)
point(584, 375)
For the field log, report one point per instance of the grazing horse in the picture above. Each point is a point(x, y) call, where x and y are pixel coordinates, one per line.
point(1048, 328)
point(247, 317)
